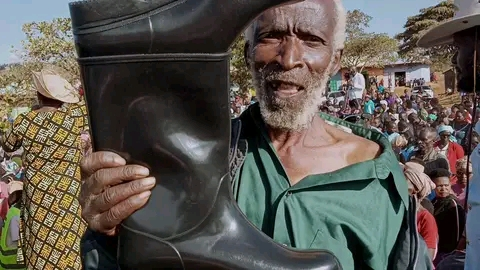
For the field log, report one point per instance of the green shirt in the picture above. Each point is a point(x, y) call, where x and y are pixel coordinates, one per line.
point(355, 212)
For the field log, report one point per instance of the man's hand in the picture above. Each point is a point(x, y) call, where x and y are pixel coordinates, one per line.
point(111, 190)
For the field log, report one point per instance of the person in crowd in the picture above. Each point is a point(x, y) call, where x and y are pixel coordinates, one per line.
point(409, 107)
point(369, 106)
point(461, 126)
point(4, 193)
point(357, 90)
point(417, 123)
point(50, 137)
point(464, 34)
point(426, 150)
point(354, 106)
point(391, 131)
point(381, 88)
point(474, 142)
point(461, 178)
point(426, 202)
point(391, 98)
point(397, 145)
point(422, 112)
point(361, 164)
point(419, 186)
point(85, 143)
point(452, 150)
point(449, 214)
point(9, 239)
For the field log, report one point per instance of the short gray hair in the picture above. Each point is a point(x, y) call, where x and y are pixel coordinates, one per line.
point(338, 31)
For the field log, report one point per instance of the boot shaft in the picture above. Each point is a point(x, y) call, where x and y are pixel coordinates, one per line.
point(171, 115)
point(102, 28)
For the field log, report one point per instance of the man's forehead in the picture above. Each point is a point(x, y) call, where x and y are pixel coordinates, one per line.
point(307, 14)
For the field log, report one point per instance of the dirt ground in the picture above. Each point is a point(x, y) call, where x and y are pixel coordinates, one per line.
point(439, 90)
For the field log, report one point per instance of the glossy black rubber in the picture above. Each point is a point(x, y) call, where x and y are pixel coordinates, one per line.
point(164, 103)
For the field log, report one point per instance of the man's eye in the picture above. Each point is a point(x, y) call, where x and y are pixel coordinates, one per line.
point(272, 35)
point(313, 39)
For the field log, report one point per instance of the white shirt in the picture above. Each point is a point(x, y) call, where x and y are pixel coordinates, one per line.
point(358, 86)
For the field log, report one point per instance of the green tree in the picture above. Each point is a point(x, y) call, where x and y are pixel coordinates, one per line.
point(45, 44)
point(239, 72)
point(416, 26)
point(357, 22)
point(364, 49)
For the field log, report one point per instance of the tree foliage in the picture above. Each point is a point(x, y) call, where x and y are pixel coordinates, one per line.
point(239, 72)
point(45, 44)
point(417, 25)
point(364, 49)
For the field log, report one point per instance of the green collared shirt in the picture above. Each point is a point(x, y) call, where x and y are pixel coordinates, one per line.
point(355, 212)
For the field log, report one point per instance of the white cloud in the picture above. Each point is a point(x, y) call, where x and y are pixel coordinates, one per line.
point(13, 58)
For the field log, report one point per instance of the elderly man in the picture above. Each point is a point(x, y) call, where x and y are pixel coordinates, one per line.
point(463, 32)
point(306, 180)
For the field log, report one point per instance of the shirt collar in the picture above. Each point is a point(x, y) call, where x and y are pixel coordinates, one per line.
point(384, 167)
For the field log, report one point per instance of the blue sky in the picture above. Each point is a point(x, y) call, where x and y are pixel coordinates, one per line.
point(389, 17)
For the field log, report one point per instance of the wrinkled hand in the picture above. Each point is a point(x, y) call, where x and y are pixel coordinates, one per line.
point(111, 190)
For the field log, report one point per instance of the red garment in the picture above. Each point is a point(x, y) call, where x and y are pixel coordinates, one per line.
point(468, 117)
point(427, 228)
point(454, 153)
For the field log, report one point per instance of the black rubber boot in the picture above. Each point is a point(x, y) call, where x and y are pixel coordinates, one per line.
point(156, 76)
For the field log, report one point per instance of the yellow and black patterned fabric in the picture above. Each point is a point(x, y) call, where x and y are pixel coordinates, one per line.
point(51, 225)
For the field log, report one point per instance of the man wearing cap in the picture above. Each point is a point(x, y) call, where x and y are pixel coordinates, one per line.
point(463, 32)
point(50, 137)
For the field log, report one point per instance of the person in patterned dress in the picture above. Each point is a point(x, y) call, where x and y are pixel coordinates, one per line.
point(51, 224)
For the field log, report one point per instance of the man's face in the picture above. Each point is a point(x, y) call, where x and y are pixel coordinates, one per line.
point(459, 116)
point(474, 142)
point(445, 137)
point(425, 142)
point(443, 188)
point(291, 59)
point(462, 176)
point(463, 60)
point(391, 129)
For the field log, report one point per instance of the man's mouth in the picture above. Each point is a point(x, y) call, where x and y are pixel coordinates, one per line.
point(285, 88)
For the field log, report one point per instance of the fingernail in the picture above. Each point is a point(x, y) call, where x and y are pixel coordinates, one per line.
point(142, 171)
point(150, 181)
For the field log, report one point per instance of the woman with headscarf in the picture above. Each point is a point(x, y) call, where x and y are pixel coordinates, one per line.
point(445, 146)
point(51, 225)
point(449, 214)
point(419, 186)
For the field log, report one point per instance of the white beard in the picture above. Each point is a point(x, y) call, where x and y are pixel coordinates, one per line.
point(291, 114)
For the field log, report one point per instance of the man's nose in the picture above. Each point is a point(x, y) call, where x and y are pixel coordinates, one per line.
point(291, 54)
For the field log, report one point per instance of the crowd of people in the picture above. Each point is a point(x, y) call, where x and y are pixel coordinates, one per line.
point(431, 142)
